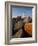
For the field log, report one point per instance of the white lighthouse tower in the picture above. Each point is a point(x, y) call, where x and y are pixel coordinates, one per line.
point(23, 15)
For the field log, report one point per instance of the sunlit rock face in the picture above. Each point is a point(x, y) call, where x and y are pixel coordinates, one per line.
point(27, 19)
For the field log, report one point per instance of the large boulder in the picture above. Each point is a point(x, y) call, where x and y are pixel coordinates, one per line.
point(28, 28)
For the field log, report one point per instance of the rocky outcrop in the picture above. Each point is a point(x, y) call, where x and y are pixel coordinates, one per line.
point(25, 24)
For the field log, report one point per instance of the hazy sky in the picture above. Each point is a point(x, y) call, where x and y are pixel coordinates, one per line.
point(17, 11)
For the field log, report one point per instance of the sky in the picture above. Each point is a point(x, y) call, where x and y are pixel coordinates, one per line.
point(19, 11)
